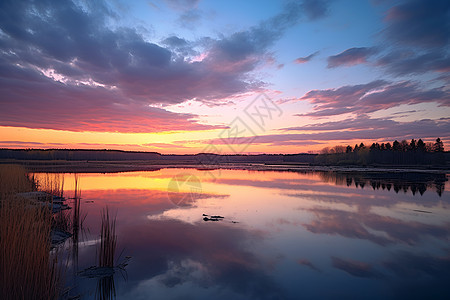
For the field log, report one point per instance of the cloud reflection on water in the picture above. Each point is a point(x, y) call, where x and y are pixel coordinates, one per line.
point(285, 219)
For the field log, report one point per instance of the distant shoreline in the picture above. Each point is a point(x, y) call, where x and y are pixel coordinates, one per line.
point(59, 166)
point(111, 161)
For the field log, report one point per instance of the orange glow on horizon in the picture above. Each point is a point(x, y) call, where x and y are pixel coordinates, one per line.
point(182, 142)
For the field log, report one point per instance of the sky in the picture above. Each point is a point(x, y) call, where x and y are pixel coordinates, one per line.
point(235, 77)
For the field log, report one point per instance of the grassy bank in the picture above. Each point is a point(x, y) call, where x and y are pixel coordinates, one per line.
point(28, 268)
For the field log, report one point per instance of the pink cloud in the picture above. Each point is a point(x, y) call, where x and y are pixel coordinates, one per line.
point(302, 60)
point(350, 57)
point(43, 103)
point(85, 75)
point(360, 128)
point(370, 97)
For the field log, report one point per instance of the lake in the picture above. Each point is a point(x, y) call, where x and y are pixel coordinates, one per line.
point(283, 235)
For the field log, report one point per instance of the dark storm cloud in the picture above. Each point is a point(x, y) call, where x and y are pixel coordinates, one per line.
point(350, 57)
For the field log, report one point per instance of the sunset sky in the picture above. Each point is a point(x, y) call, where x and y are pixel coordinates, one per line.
point(188, 76)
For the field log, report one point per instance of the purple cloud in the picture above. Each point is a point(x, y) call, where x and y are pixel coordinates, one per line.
point(350, 57)
point(404, 62)
point(419, 23)
point(370, 97)
point(67, 64)
point(43, 103)
point(359, 128)
point(418, 33)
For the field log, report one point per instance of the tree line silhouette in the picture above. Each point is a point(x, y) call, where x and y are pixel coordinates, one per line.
point(415, 152)
point(120, 155)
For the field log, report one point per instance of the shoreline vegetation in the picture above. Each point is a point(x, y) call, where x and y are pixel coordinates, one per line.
point(33, 265)
point(404, 153)
point(415, 156)
point(29, 267)
point(135, 166)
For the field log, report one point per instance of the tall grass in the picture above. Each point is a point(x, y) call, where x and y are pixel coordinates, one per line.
point(14, 179)
point(108, 240)
point(51, 183)
point(70, 220)
point(28, 269)
point(76, 222)
point(106, 288)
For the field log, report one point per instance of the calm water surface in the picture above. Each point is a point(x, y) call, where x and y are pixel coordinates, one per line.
point(284, 235)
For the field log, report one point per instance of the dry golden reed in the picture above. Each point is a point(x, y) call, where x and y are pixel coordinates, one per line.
point(28, 269)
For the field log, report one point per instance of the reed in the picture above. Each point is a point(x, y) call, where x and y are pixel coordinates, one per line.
point(71, 220)
point(51, 183)
point(28, 268)
point(76, 221)
point(14, 179)
point(108, 240)
point(106, 288)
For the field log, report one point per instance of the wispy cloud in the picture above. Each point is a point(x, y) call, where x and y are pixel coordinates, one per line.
point(302, 60)
point(350, 57)
point(400, 62)
point(371, 97)
point(361, 128)
point(182, 4)
point(356, 268)
point(419, 23)
point(418, 36)
point(315, 9)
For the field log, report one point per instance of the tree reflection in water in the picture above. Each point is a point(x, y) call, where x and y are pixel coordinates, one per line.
point(414, 182)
